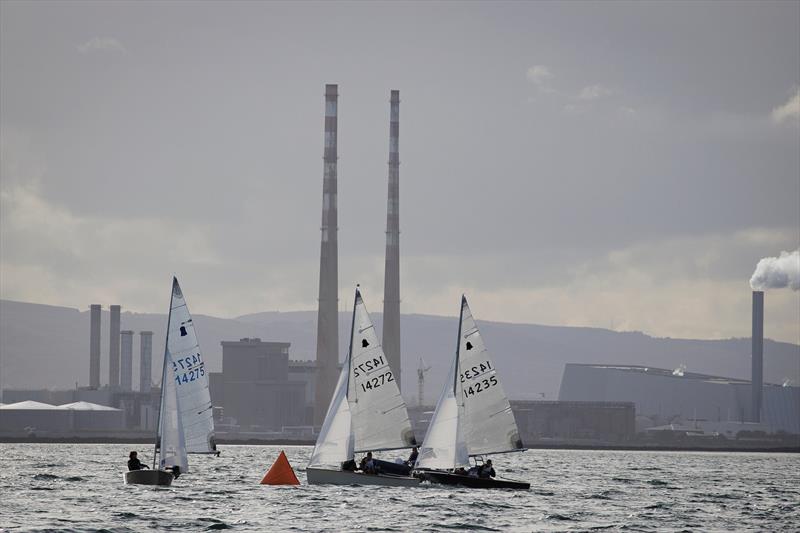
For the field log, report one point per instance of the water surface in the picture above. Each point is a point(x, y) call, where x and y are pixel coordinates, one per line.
point(78, 487)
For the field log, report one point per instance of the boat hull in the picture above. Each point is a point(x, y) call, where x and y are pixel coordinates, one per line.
point(395, 469)
point(448, 478)
point(149, 477)
point(322, 476)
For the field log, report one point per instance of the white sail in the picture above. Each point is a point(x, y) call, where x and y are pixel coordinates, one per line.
point(172, 447)
point(488, 423)
point(191, 376)
point(335, 441)
point(444, 446)
point(379, 415)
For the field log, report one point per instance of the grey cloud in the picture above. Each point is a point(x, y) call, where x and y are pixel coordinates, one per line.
point(213, 129)
point(107, 44)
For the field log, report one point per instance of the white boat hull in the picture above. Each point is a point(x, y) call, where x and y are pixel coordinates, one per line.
point(149, 477)
point(322, 476)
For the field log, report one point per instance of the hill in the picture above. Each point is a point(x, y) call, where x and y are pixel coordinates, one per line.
point(46, 346)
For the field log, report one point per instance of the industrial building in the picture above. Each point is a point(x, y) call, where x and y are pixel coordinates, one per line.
point(596, 422)
point(667, 396)
point(42, 419)
point(254, 389)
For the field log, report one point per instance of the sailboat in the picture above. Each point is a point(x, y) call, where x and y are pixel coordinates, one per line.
point(473, 417)
point(185, 424)
point(366, 414)
point(191, 377)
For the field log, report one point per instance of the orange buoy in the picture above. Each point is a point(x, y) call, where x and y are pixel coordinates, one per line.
point(281, 473)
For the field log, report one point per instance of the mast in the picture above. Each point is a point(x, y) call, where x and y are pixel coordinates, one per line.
point(350, 349)
point(458, 347)
point(164, 371)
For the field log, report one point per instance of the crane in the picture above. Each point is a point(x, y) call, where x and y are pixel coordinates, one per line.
point(421, 369)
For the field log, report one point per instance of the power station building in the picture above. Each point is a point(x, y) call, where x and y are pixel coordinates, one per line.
point(667, 396)
point(254, 389)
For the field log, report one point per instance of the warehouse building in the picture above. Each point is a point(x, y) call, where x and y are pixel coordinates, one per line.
point(670, 396)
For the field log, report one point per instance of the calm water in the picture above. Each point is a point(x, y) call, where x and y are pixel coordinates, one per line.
point(79, 488)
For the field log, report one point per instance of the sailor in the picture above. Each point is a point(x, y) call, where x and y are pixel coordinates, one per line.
point(412, 459)
point(134, 463)
point(367, 464)
point(487, 470)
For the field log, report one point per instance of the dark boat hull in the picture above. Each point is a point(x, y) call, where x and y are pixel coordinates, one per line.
point(448, 478)
point(397, 469)
point(322, 476)
point(149, 477)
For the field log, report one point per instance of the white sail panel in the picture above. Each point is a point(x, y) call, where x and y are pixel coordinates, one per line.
point(444, 446)
point(172, 446)
point(379, 414)
point(335, 443)
point(191, 376)
point(488, 423)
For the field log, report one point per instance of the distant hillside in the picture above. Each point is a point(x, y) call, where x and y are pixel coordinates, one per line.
point(46, 346)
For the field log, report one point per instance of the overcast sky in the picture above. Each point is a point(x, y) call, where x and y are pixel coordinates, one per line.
point(616, 165)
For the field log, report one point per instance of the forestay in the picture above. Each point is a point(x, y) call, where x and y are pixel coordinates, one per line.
point(191, 377)
point(444, 446)
point(335, 443)
point(379, 415)
point(488, 423)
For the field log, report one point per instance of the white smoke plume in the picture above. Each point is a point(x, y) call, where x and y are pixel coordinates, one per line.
point(777, 272)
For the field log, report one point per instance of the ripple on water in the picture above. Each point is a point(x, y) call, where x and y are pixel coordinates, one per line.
point(46, 477)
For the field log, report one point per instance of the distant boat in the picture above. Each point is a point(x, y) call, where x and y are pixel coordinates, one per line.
point(185, 424)
point(366, 414)
point(473, 417)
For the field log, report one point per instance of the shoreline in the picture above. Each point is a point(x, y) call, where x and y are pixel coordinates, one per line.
point(750, 447)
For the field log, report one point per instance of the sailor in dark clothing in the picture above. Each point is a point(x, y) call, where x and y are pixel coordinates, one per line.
point(412, 459)
point(486, 470)
point(368, 465)
point(134, 463)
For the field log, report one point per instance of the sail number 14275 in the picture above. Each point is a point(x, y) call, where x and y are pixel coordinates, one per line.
point(193, 368)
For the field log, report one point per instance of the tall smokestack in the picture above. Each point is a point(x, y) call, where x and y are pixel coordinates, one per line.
point(391, 280)
point(113, 348)
point(145, 360)
point(757, 376)
point(94, 346)
point(327, 315)
point(126, 360)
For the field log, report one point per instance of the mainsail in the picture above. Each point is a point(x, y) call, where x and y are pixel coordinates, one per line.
point(379, 415)
point(489, 425)
point(335, 441)
point(190, 376)
point(473, 415)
